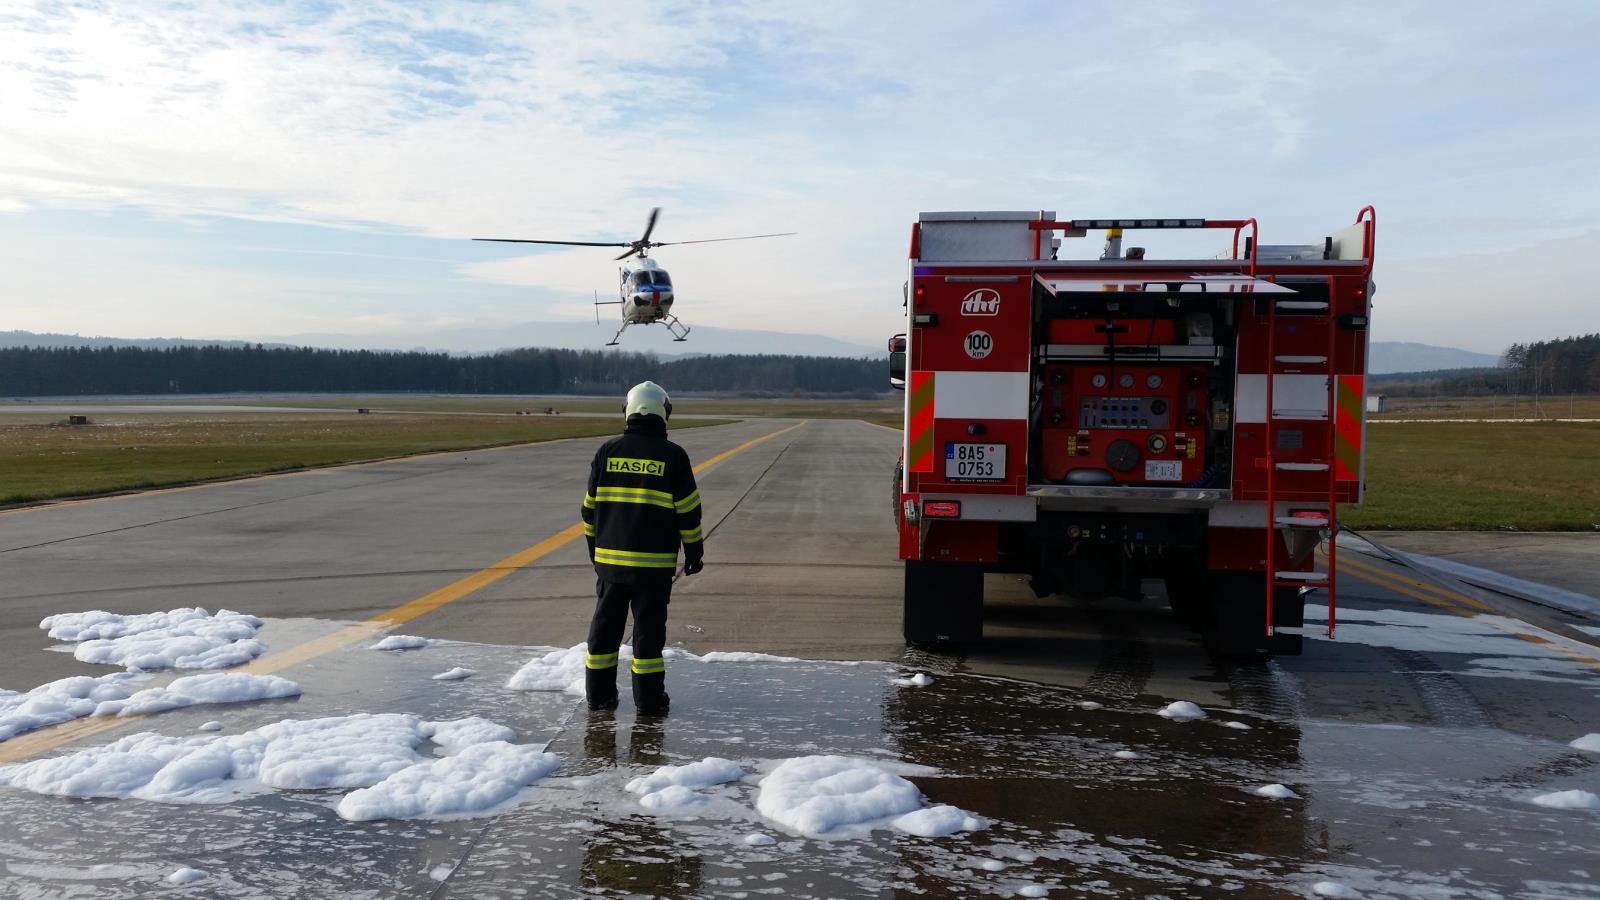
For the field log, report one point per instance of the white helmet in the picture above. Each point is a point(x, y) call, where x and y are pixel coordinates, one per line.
point(649, 399)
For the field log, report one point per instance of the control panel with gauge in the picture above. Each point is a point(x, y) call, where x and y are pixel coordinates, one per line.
point(1123, 425)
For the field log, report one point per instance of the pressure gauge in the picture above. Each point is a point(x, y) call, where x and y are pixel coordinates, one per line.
point(1098, 380)
point(1152, 381)
point(1125, 381)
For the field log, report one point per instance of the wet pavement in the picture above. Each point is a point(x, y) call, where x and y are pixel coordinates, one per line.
point(1413, 742)
point(1429, 804)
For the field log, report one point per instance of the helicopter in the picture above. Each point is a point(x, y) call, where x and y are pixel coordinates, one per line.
point(644, 289)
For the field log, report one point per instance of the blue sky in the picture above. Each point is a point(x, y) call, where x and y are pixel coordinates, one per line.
point(261, 170)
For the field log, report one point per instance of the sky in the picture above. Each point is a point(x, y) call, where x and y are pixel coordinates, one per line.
point(259, 170)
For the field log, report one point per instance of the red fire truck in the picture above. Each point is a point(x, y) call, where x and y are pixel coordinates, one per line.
point(1092, 423)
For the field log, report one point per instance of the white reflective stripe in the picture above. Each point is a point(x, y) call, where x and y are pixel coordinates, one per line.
point(980, 395)
point(1295, 394)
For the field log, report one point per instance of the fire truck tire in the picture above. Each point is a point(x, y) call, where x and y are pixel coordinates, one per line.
point(1189, 595)
point(1237, 624)
point(943, 603)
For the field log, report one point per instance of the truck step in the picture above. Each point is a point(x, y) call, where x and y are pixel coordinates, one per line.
point(1306, 577)
point(1300, 414)
point(1300, 467)
point(1302, 304)
point(1302, 521)
point(1303, 360)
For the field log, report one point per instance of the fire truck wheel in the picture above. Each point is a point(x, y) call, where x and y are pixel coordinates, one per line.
point(1190, 598)
point(1237, 626)
point(943, 604)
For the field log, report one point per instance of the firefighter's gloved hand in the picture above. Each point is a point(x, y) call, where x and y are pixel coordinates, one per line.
point(693, 566)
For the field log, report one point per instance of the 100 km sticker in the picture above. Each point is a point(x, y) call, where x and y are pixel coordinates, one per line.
point(978, 344)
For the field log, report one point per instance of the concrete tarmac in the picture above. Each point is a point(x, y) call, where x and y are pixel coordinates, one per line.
point(1414, 740)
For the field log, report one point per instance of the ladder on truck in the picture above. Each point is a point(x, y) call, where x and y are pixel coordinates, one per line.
point(1319, 312)
point(1308, 312)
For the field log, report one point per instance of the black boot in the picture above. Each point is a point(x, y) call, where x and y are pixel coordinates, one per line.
point(601, 687)
point(650, 694)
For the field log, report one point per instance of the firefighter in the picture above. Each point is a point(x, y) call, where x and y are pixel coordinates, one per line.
point(641, 503)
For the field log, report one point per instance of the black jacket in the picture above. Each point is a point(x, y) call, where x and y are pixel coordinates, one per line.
point(641, 503)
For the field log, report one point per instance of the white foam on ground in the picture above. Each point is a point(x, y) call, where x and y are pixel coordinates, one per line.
point(1590, 742)
point(1482, 635)
point(213, 725)
point(1275, 792)
point(918, 680)
point(187, 638)
point(346, 752)
point(186, 875)
point(201, 690)
point(938, 821)
point(841, 796)
point(1181, 710)
point(1333, 889)
point(456, 734)
point(1569, 800)
point(480, 778)
point(459, 673)
point(402, 642)
point(673, 789)
point(1032, 890)
point(560, 670)
point(1090, 704)
point(1125, 754)
point(58, 701)
point(1237, 726)
point(759, 840)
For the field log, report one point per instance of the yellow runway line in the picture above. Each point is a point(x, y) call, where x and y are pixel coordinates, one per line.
point(1453, 602)
point(53, 736)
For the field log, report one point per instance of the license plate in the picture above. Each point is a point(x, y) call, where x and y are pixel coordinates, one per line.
point(1163, 470)
point(974, 462)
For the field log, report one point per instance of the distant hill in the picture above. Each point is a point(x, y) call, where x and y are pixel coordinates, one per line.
point(703, 340)
point(51, 339)
point(1403, 356)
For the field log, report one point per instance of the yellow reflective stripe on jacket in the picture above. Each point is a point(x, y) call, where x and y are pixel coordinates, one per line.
point(633, 495)
point(601, 661)
point(588, 502)
point(688, 503)
point(588, 530)
point(649, 666)
point(636, 559)
point(692, 535)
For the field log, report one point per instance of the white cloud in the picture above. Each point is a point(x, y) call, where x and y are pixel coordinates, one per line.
point(838, 120)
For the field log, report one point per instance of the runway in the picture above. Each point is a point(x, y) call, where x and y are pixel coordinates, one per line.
point(1413, 741)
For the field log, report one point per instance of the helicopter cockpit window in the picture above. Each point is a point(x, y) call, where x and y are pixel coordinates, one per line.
point(662, 279)
point(639, 279)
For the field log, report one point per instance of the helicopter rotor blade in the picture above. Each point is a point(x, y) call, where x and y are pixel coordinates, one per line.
point(632, 249)
point(650, 224)
point(745, 237)
point(563, 243)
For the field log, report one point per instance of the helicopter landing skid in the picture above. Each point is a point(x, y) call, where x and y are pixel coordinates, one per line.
point(680, 331)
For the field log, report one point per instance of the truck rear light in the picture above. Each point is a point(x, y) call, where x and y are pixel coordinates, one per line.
point(942, 509)
point(918, 294)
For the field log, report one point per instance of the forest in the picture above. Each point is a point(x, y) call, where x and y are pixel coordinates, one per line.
point(1542, 368)
point(66, 371)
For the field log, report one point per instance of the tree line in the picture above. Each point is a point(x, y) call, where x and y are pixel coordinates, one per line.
point(1562, 366)
point(65, 371)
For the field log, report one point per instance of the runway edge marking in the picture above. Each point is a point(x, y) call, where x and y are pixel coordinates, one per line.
point(1466, 607)
point(52, 736)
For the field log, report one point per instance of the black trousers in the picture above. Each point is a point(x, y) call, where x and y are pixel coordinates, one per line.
point(649, 605)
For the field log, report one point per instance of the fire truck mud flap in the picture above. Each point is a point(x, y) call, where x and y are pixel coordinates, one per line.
point(943, 603)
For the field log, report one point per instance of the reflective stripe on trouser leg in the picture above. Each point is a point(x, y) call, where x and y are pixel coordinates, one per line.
point(601, 661)
point(648, 666)
point(605, 636)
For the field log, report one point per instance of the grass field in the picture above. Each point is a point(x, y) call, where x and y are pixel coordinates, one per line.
point(44, 459)
point(1579, 406)
point(785, 407)
point(1536, 476)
